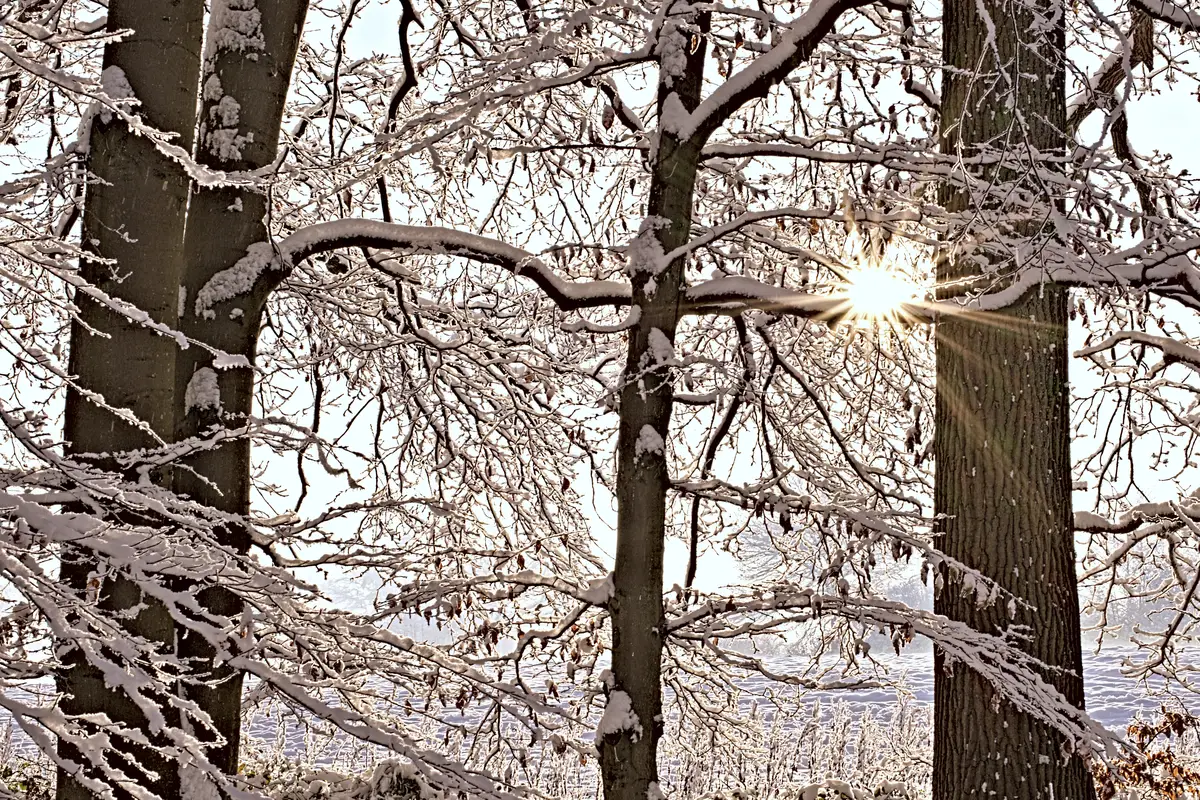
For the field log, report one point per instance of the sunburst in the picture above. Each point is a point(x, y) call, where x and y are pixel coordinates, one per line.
point(876, 293)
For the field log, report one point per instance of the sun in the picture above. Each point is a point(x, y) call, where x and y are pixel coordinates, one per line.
point(876, 293)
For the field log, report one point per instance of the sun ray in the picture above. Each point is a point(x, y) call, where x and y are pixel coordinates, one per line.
point(875, 294)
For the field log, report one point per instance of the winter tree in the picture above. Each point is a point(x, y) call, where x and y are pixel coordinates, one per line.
point(1002, 441)
point(517, 273)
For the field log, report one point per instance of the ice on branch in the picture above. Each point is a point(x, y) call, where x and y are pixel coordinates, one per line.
point(227, 361)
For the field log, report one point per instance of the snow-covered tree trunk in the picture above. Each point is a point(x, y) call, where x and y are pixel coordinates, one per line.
point(628, 755)
point(1002, 438)
point(251, 48)
point(133, 225)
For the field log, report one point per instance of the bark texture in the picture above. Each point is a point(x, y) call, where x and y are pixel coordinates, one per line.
point(133, 225)
point(1002, 437)
point(629, 760)
point(222, 223)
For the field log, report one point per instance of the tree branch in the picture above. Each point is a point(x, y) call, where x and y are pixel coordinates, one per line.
point(407, 17)
point(1178, 18)
point(757, 79)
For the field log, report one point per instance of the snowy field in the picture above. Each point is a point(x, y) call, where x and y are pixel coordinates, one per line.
point(1113, 698)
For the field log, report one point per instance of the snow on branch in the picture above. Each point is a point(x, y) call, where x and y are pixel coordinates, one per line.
point(1170, 271)
point(987, 591)
point(756, 80)
point(1164, 11)
point(106, 103)
point(1100, 85)
point(325, 236)
point(725, 295)
point(1136, 517)
point(733, 294)
point(1172, 349)
point(753, 217)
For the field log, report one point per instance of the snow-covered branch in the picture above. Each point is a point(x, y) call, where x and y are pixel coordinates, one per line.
point(1174, 15)
point(795, 47)
point(326, 236)
point(1174, 351)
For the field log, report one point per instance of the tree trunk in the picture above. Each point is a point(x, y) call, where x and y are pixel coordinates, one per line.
point(245, 84)
point(1002, 439)
point(134, 215)
point(628, 757)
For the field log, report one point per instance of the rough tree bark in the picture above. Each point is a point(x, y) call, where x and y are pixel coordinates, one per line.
point(244, 86)
point(165, 249)
point(1002, 437)
point(133, 225)
point(629, 759)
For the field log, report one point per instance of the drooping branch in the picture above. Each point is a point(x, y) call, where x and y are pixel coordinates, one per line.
point(1015, 675)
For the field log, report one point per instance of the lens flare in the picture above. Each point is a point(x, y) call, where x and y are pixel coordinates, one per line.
point(875, 293)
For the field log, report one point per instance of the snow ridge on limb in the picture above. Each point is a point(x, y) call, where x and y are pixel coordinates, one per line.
point(1139, 515)
point(1169, 272)
point(1173, 350)
point(1176, 16)
point(326, 236)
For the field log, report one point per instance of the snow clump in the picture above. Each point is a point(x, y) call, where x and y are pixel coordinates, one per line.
point(619, 717)
point(648, 441)
point(661, 348)
point(237, 280)
point(644, 253)
point(599, 591)
point(116, 86)
point(203, 391)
